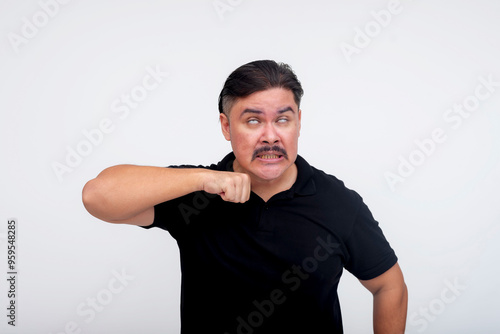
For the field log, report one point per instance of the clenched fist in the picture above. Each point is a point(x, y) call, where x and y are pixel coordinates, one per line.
point(231, 186)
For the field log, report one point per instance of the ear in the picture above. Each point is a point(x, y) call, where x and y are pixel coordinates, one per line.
point(300, 117)
point(224, 124)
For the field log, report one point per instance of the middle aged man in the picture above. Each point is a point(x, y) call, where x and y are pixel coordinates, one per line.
point(263, 236)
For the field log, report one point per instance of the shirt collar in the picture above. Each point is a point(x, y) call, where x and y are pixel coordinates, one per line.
point(304, 184)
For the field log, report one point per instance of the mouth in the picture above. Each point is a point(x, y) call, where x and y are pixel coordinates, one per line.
point(270, 154)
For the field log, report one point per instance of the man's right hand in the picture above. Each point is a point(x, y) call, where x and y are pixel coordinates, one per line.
point(230, 186)
point(127, 194)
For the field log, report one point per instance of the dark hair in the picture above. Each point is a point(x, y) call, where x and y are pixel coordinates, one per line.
point(258, 76)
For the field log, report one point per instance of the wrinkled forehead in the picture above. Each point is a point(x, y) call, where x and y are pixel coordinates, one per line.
point(269, 102)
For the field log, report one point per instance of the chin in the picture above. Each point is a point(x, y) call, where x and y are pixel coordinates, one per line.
point(268, 173)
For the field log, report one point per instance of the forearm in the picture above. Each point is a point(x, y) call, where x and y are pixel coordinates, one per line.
point(389, 310)
point(125, 191)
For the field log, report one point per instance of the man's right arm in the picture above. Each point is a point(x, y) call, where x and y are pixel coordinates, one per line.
point(127, 194)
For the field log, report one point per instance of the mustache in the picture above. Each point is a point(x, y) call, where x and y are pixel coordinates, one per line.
point(269, 148)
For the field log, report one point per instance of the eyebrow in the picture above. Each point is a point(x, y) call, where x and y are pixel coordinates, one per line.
point(257, 111)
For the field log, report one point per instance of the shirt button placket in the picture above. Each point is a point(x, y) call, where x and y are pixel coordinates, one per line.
point(265, 225)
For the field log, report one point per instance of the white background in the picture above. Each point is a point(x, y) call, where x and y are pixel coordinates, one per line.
point(362, 112)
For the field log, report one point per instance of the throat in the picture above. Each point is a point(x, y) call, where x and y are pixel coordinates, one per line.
point(266, 189)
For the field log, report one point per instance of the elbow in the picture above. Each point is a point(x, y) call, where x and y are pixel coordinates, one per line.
point(89, 196)
point(99, 199)
point(94, 199)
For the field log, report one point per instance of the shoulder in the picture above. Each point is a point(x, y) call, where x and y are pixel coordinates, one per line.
point(333, 188)
point(328, 194)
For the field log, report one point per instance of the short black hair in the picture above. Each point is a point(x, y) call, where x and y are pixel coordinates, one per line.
point(257, 76)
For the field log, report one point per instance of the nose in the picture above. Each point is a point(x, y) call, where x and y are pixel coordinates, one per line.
point(270, 135)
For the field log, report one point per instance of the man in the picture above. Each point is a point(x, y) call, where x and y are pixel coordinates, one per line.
point(263, 236)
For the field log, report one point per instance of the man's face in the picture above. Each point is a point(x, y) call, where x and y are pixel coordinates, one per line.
point(264, 128)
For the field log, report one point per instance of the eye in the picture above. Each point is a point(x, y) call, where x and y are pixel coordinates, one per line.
point(253, 121)
point(283, 120)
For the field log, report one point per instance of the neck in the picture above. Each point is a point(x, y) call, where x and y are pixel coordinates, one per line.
point(266, 189)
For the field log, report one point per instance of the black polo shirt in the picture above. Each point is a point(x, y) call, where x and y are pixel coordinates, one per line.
point(272, 267)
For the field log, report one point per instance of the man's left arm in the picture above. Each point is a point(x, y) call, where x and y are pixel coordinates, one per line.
point(390, 301)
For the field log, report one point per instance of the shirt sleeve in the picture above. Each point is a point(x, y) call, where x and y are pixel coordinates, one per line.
point(174, 215)
point(370, 254)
